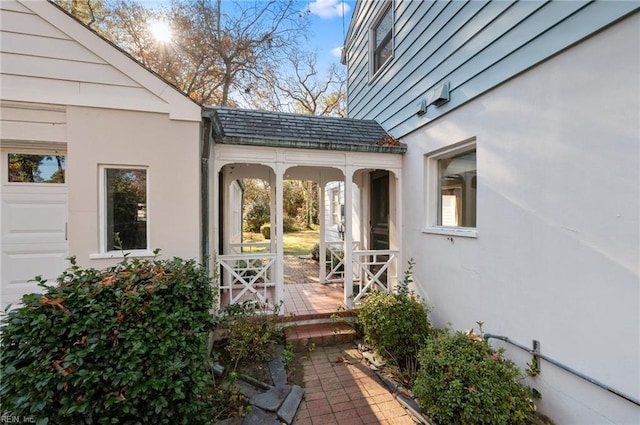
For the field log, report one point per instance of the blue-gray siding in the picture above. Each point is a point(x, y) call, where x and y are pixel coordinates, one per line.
point(473, 45)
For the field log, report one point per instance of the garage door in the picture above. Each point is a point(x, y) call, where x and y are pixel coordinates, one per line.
point(34, 220)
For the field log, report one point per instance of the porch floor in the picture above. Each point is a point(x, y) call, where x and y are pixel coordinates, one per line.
point(303, 293)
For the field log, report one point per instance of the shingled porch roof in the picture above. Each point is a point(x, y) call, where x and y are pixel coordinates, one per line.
point(264, 128)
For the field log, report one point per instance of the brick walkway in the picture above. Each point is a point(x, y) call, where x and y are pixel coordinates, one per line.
point(303, 294)
point(345, 393)
point(300, 269)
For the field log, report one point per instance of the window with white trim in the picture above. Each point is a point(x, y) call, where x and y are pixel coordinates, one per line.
point(452, 185)
point(381, 39)
point(124, 200)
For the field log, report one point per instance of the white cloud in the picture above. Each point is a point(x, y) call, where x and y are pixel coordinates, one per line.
point(328, 8)
point(337, 52)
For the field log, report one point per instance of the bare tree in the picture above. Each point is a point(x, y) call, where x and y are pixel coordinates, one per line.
point(90, 12)
point(216, 48)
point(303, 89)
point(224, 53)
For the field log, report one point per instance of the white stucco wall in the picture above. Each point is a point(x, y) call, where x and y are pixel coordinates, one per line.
point(558, 234)
point(170, 151)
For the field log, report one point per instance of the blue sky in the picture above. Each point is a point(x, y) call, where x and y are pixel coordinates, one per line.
point(329, 21)
point(328, 27)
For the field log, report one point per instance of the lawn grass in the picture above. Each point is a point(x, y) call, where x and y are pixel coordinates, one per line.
point(295, 243)
point(301, 242)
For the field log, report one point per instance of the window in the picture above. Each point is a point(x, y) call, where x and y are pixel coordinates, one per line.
point(381, 39)
point(125, 209)
point(27, 168)
point(452, 185)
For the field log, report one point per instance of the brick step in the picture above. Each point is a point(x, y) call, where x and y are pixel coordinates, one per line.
point(302, 337)
point(316, 318)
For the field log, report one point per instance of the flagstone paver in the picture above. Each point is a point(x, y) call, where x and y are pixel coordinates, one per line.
point(341, 390)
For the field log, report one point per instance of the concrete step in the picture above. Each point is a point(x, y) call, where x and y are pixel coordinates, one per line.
point(306, 336)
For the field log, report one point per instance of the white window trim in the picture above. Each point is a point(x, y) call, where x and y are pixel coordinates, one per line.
point(373, 72)
point(431, 185)
point(102, 216)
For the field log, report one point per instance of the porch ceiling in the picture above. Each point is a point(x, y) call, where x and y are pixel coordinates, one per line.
point(277, 129)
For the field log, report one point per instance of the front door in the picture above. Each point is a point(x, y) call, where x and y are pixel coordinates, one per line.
point(379, 210)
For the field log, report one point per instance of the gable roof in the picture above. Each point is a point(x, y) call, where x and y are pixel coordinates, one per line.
point(278, 129)
point(106, 74)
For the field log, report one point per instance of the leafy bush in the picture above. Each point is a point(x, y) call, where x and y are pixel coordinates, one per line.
point(290, 224)
point(463, 381)
point(265, 229)
point(251, 333)
point(127, 344)
point(315, 252)
point(256, 215)
point(395, 324)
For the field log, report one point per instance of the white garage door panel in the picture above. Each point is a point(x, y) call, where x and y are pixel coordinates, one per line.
point(34, 241)
point(27, 220)
point(21, 273)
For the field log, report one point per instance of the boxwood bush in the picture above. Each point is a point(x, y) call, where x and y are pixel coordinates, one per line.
point(463, 381)
point(396, 324)
point(122, 345)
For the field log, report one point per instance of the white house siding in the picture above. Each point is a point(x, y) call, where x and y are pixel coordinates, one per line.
point(558, 232)
point(168, 149)
point(472, 45)
point(64, 87)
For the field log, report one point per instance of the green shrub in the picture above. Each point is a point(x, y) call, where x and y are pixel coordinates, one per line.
point(290, 224)
point(315, 252)
point(251, 333)
point(123, 345)
point(464, 381)
point(396, 325)
point(265, 229)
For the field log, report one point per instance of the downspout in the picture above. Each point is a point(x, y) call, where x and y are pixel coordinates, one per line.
point(205, 152)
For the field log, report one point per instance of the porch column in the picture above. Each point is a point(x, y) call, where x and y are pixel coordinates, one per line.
point(395, 226)
point(323, 229)
point(214, 228)
point(348, 236)
point(273, 216)
point(279, 214)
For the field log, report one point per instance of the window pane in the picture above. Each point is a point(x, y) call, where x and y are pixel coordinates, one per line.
point(36, 168)
point(382, 50)
point(384, 27)
point(457, 185)
point(126, 209)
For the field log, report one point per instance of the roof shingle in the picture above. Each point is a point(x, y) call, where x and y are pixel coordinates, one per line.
point(266, 128)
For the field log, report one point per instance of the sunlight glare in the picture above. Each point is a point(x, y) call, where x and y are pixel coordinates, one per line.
point(161, 31)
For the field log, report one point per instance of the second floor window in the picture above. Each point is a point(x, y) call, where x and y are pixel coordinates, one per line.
point(381, 37)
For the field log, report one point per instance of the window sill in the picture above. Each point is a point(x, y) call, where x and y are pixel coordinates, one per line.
point(138, 253)
point(465, 232)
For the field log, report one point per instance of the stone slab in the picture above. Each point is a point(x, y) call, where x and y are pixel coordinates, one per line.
point(289, 407)
point(277, 368)
point(272, 399)
point(258, 416)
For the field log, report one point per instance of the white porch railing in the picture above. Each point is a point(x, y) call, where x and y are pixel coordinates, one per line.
point(373, 270)
point(244, 247)
point(249, 276)
point(333, 261)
